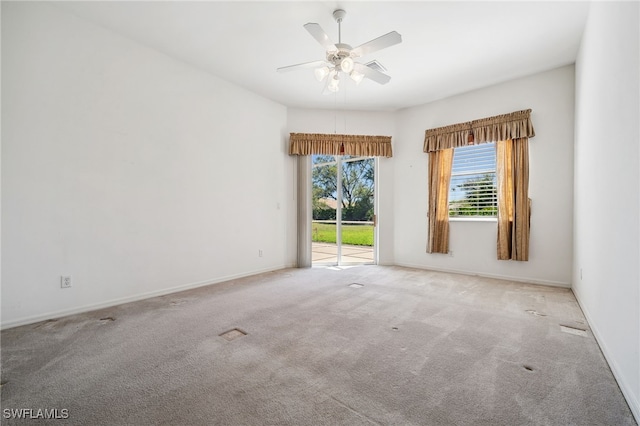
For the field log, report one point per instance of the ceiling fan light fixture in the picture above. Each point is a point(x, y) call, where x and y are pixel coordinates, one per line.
point(356, 76)
point(346, 64)
point(321, 73)
point(334, 84)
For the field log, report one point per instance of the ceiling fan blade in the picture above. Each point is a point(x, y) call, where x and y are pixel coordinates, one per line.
point(372, 74)
point(312, 64)
point(318, 33)
point(381, 42)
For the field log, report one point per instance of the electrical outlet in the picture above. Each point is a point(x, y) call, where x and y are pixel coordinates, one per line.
point(65, 281)
point(450, 253)
point(259, 253)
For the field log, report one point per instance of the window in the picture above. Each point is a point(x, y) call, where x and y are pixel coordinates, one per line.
point(473, 192)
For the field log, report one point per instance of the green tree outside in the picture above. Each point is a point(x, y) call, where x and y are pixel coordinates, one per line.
point(480, 198)
point(357, 189)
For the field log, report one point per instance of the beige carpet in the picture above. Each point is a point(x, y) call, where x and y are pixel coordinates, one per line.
point(403, 347)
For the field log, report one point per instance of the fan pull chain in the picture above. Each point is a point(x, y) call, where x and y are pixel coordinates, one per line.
point(335, 113)
point(344, 112)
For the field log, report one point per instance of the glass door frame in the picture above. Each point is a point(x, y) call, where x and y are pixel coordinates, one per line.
point(339, 160)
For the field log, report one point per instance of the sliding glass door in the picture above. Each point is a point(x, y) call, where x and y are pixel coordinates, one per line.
point(343, 197)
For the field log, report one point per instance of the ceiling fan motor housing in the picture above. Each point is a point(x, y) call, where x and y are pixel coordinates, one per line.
point(336, 57)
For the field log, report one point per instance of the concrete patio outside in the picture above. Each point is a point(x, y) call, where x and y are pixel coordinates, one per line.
point(327, 253)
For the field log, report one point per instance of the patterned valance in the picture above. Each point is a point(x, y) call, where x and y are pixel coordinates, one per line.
point(333, 144)
point(498, 128)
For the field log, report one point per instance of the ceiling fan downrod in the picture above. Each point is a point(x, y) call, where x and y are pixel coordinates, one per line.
point(339, 15)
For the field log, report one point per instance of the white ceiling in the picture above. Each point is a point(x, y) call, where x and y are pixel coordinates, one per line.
point(447, 48)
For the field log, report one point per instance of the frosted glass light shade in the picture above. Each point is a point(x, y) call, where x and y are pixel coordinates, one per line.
point(356, 76)
point(321, 73)
point(333, 85)
point(346, 65)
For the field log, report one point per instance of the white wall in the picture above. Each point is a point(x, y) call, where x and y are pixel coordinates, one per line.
point(132, 172)
point(550, 95)
point(365, 123)
point(607, 188)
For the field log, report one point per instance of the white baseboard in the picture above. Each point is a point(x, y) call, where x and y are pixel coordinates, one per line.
point(634, 404)
point(113, 302)
point(496, 276)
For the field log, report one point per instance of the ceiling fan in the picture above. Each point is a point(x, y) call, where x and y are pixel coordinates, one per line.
point(340, 56)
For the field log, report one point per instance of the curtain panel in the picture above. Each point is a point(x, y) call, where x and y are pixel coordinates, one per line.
point(514, 205)
point(514, 125)
point(511, 132)
point(334, 144)
point(439, 179)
